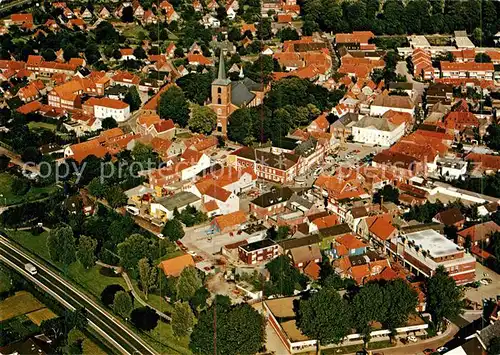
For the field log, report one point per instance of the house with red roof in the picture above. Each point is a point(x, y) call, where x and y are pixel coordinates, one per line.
point(111, 141)
point(348, 244)
point(32, 91)
point(156, 127)
point(216, 199)
point(105, 107)
point(354, 40)
point(320, 124)
point(127, 54)
point(22, 19)
point(229, 222)
point(478, 235)
point(484, 163)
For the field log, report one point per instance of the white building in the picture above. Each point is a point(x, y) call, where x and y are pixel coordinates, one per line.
point(377, 131)
point(106, 107)
point(451, 169)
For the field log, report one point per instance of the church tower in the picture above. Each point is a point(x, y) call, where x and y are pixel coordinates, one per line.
point(221, 97)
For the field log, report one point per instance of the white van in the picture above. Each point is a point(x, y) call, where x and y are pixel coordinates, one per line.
point(30, 268)
point(132, 210)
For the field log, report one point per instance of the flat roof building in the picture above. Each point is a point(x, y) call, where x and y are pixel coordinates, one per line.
point(426, 250)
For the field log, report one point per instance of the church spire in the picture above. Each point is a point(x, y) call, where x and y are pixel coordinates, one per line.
point(222, 66)
point(221, 76)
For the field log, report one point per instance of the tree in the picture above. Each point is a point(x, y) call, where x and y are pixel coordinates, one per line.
point(70, 52)
point(148, 276)
point(122, 304)
point(49, 55)
point(188, 283)
point(116, 197)
point(444, 298)
point(288, 34)
point(97, 188)
point(140, 53)
point(401, 301)
point(325, 316)
point(144, 153)
point(173, 230)
point(108, 123)
point(109, 293)
point(144, 318)
point(451, 232)
point(492, 137)
point(240, 329)
point(285, 279)
point(388, 193)
point(133, 249)
point(482, 58)
point(203, 119)
point(128, 14)
point(199, 299)
point(31, 155)
point(92, 53)
point(182, 319)
point(61, 245)
point(20, 186)
point(174, 105)
point(196, 86)
point(86, 251)
point(241, 125)
point(132, 98)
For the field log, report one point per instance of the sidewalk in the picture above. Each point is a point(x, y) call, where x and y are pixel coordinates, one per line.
point(419, 347)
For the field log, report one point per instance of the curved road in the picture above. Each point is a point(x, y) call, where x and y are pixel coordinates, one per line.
point(118, 335)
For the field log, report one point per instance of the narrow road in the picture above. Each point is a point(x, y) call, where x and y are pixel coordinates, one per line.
point(117, 334)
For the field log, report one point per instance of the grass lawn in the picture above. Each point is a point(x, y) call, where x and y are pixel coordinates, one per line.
point(133, 32)
point(91, 280)
point(39, 316)
point(9, 198)
point(21, 303)
point(163, 340)
point(44, 125)
point(34, 243)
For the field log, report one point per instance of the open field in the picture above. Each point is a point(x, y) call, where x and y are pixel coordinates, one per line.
point(44, 125)
point(39, 316)
point(21, 303)
point(9, 198)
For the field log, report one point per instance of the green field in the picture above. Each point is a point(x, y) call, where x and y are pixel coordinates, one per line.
point(44, 125)
point(21, 303)
point(9, 198)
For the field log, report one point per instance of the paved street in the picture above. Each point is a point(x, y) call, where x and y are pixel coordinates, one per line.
point(16, 159)
point(117, 334)
point(418, 87)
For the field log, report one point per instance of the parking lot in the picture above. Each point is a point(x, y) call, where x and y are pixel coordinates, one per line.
point(484, 291)
point(206, 245)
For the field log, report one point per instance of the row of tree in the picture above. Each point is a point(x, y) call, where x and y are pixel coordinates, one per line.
point(477, 17)
point(328, 317)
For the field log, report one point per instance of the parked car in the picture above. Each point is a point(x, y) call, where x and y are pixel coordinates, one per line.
point(442, 349)
point(412, 338)
point(192, 253)
point(429, 351)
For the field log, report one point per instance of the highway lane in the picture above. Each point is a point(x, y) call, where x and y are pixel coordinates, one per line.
point(116, 333)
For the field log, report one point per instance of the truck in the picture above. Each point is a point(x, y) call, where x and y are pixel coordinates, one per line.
point(30, 268)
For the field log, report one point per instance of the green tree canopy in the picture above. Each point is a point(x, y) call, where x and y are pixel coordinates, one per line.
point(187, 284)
point(122, 304)
point(444, 298)
point(61, 245)
point(133, 249)
point(285, 278)
point(86, 251)
point(240, 329)
point(325, 316)
point(182, 319)
point(173, 230)
point(203, 119)
point(174, 105)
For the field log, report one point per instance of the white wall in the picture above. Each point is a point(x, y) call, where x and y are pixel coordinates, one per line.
point(119, 115)
point(370, 135)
